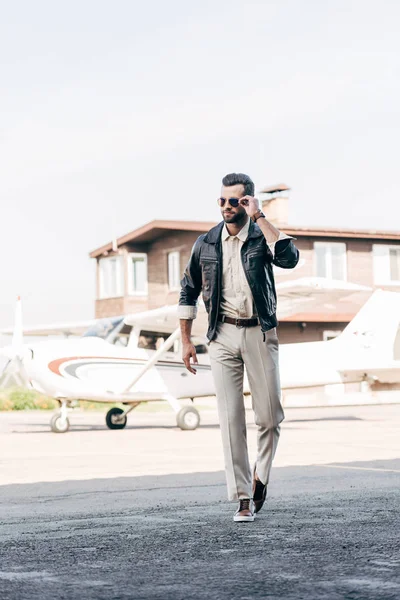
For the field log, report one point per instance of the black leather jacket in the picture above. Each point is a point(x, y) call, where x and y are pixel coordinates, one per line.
point(204, 273)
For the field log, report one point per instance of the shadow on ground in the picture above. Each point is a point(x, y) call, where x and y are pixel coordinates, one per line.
point(327, 532)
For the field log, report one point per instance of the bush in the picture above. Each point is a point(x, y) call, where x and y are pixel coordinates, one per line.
point(23, 399)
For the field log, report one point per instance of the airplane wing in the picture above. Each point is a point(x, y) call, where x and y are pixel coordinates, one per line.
point(71, 328)
point(386, 374)
point(294, 296)
point(307, 294)
point(166, 319)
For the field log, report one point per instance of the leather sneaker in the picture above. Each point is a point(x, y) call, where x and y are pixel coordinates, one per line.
point(245, 512)
point(259, 493)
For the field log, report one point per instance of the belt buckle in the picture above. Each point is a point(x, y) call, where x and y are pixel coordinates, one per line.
point(237, 324)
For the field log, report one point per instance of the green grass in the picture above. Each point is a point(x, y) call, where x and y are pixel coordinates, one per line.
point(23, 399)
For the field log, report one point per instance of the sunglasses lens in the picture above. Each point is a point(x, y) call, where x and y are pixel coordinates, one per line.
point(234, 202)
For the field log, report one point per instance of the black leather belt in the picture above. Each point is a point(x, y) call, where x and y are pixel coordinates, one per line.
point(238, 322)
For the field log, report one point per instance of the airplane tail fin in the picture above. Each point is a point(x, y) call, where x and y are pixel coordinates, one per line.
point(376, 326)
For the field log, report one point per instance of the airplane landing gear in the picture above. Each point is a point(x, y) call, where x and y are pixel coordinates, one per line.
point(188, 418)
point(59, 422)
point(116, 418)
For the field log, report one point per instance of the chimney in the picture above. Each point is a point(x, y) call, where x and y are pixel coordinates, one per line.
point(275, 203)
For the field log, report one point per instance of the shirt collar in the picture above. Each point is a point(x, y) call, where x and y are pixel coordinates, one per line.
point(242, 235)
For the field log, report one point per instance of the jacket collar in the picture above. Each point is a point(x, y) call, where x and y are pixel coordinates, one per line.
point(214, 235)
point(242, 235)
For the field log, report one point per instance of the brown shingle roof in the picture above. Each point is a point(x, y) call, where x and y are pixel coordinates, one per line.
point(154, 229)
point(340, 232)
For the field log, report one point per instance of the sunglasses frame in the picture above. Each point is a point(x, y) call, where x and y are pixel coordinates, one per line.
point(223, 201)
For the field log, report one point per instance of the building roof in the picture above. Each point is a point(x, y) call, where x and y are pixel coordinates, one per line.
point(340, 232)
point(325, 316)
point(155, 229)
point(273, 189)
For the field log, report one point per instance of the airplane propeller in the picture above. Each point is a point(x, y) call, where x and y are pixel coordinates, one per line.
point(13, 372)
point(17, 343)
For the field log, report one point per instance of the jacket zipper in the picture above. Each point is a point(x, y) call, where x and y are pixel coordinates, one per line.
point(219, 260)
point(242, 252)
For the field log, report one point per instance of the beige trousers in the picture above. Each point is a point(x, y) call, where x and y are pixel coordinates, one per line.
point(233, 349)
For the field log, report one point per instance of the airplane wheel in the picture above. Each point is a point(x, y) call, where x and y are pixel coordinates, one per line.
point(188, 418)
point(57, 424)
point(112, 419)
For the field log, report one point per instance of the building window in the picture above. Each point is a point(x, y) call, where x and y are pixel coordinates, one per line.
point(111, 277)
point(137, 274)
point(386, 264)
point(330, 260)
point(174, 272)
point(330, 334)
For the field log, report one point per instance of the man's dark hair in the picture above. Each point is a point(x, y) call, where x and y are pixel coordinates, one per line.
point(237, 178)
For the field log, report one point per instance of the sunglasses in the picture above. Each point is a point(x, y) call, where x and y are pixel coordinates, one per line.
point(234, 202)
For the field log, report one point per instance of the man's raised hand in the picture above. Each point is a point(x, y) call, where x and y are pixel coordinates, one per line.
point(250, 205)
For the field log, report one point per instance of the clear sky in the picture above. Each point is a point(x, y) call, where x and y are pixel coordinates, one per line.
point(125, 111)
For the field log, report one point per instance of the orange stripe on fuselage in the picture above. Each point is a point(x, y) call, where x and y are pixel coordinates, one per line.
point(55, 365)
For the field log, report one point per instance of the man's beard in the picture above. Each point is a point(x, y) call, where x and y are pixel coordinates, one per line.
point(233, 217)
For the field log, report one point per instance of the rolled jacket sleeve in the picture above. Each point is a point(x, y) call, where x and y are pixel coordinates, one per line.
point(191, 285)
point(285, 254)
point(282, 236)
point(187, 312)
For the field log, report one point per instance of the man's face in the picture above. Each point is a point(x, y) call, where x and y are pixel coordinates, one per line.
point(228, 212)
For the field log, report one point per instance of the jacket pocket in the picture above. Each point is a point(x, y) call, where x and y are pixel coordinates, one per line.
point(208, 275)
point(255, 261)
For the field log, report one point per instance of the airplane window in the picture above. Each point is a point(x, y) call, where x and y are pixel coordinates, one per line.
point(201, 349)
point(152, 340)
point(103, 327)
point(121, 337)
point(200, 345)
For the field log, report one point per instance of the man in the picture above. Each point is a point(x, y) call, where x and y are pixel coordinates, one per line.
point(232, 266)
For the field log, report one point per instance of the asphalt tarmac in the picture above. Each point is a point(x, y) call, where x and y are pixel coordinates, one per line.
point(142, 513)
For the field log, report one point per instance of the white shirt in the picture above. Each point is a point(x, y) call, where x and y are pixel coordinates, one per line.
point(236, 296)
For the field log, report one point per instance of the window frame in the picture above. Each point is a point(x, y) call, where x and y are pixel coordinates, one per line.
point(175, 253)
point(328, 263)
point(383, 280)
point(330, 334)
point(156, 335)
point(120, 277)
point(131, 291)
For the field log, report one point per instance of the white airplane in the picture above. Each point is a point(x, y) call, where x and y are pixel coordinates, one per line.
point(137, 358)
